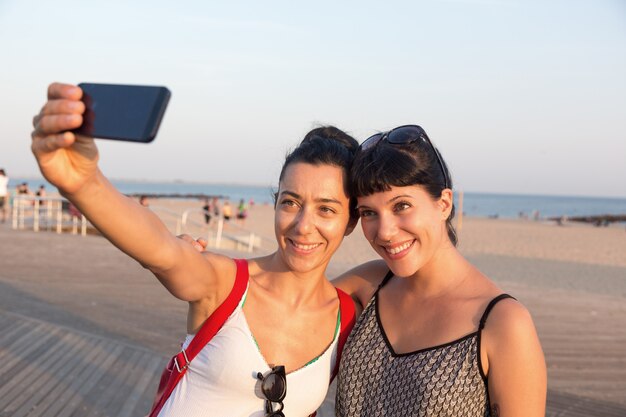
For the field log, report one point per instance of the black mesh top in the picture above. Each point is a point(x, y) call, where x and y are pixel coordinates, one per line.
point(444, 380)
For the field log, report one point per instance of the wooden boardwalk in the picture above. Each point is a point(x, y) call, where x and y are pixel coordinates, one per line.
point(567, 405)
point(49, 370)
point(85, 331)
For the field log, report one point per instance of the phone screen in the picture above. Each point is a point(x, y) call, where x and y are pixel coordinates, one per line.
point(123, 112)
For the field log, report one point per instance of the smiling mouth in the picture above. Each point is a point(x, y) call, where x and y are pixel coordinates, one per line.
point(304, 247)
point(398, 249)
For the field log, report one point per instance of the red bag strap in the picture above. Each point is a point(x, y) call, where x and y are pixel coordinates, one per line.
point(217, 319)
point(348, 318)
point(178, 365)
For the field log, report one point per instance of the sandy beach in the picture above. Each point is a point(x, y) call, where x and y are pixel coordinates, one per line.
point(572, 278)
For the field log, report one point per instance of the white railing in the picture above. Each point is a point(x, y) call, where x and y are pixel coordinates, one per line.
point(46, 213)
point(218, 230)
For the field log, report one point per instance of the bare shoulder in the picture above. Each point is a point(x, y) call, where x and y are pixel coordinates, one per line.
point(509, 322)
point(362, 281)
point(508, 312)
point(225, 270)
point(220, 263)
point(513, 360)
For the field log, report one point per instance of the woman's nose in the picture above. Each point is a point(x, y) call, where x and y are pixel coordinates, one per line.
point(305, 222)
point(387, 229)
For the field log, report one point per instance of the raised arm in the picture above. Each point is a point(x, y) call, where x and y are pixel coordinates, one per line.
point(515, 363)
point(70, 162)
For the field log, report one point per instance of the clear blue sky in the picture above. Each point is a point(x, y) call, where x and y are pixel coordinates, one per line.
point(521, 96)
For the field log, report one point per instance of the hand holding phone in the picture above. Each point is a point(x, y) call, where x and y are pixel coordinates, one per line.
point(123, 112)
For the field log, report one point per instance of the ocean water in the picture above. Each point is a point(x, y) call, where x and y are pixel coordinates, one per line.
point(474, 204)
point(543, 206)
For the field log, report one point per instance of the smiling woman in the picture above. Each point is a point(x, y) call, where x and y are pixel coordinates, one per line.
point(436, 337)
point(254, 347)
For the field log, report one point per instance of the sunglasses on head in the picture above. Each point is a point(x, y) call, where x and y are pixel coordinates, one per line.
point(274, 388)
point(405, 135)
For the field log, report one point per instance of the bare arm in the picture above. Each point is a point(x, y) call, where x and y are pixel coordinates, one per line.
point(361, 282)
point(70, 162)
point(515, 363)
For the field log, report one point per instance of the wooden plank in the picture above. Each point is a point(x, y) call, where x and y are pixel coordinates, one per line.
point(19, 351)
point(108, 396)
point(152, 381)
point(5, 323)
point(137, 369)
point(50, 371)
point(118, 397)
point(8, 338)
point(568, 405)
point(25, 377)
point(147, 371)
point(92, 375)
point(59, 396)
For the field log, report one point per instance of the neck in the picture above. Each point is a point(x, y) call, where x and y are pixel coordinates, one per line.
point(293, 287)
point(443, 273)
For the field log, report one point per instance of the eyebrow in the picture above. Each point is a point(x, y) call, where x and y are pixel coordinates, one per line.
point(318, 200)
point(398, 197)
point(387, 202)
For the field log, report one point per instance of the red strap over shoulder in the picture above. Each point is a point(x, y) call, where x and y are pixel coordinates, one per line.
point(178, 365)
point(348, 318)
point(217, 319)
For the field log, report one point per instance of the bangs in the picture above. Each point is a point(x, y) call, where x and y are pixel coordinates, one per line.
point(383, 167)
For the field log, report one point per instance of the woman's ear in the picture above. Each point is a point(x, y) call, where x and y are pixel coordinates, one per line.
point(445, 203)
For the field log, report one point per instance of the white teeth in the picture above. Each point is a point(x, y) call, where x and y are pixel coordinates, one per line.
point(305, 247)
point(399, 249)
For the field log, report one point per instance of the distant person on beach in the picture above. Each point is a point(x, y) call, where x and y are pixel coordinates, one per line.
point(242, 211)
point(227, 210)
point(41, 193)
point(207, 211)
point(23, 189)
point(143, 200)
point(4, 194)
point(434, 332)
point(278, 348)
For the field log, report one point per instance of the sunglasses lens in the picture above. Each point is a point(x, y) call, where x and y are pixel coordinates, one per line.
point(371, 141)
point(404, 135)
point(274, 387)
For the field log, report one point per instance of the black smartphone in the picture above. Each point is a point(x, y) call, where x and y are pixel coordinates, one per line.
point(123, 112)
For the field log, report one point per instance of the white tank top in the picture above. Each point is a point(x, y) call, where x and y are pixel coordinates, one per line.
point(222, 380)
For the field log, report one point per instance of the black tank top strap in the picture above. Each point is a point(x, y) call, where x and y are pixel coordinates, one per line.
point(385, 280)
point(490, 306)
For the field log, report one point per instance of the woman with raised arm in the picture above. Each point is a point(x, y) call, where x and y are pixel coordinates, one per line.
point(279, 343)
point(435, 337)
